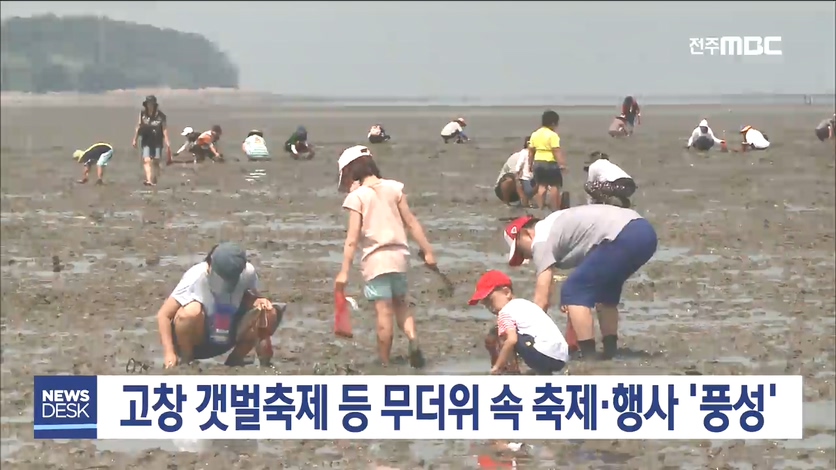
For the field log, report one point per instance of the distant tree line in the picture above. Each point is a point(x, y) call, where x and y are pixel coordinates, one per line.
point(91, 55)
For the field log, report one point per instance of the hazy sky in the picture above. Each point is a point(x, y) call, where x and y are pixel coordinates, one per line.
point(495, 48)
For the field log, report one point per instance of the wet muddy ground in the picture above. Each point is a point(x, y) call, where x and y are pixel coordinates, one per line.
point(743, 282)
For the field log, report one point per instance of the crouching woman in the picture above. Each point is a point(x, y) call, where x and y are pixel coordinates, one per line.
point(216, 308)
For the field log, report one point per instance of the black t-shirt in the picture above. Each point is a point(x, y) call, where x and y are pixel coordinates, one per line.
point(151, 128)
point(92, 154)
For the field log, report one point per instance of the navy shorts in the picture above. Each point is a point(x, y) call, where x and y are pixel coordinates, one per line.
point(601, 275)
point(534, 359)
point(208, 349)
point(547, 174)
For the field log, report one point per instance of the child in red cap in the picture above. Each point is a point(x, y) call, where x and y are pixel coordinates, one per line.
point(522, 328)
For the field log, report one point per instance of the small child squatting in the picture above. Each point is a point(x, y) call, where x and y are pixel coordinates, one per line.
point(522, 329)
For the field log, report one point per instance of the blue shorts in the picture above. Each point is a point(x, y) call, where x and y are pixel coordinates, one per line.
point(153, 153)
point(105, 158)
point(386, 287)
point(600, 277)
point(528, 188)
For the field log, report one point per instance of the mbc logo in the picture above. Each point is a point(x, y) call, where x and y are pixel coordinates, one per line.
point(737, 45)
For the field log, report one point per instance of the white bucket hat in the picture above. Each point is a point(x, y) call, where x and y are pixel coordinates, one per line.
point(703, 123)
point(349, 155)
point(187, 131)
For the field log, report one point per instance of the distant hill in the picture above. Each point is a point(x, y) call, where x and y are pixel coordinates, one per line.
point(90, 54)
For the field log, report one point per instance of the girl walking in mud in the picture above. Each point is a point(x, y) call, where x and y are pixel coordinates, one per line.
point(378, 221)
point(152, 132)
point(216, 308)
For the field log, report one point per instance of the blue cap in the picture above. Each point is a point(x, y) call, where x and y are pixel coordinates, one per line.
point(228, 261)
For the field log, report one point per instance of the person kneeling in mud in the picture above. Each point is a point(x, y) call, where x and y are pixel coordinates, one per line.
point(618, 127)
point(378, 135)
point(606, 182)
point(100, 154)
point(216, 308)
point(191, 141)
point(297, 145)
point(703, 138)
point(753, 139)
point(825, 129)
point(205, 146)
point(522, 328)
point(510, 185)
point(255, 147)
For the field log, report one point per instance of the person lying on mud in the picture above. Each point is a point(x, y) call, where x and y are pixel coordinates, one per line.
point(618, 127)
point(510, 188)
point(100, 154)
point(825, 129)
point(604, 244)
point(297, 145)
point(606, 182)
point(703, 138)
point(378, 221)
point(378, 135)
point(454, 130)
point(255, 147)
point(522, 329)
point(191, 140)
point(206, 145)
point(216, 308)
point(753, 139)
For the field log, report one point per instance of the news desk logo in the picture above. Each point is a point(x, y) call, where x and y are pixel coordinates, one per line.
point(749, 46)
point(65, 407)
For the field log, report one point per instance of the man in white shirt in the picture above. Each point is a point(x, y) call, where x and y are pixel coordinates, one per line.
point(703, 138)
point(606, 182)
point(753, 139)
point(506, 188)
point(454, 130)
point(522, 328)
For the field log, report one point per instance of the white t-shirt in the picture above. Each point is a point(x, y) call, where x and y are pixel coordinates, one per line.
point(194, 286)
point(698, 133)
point(255, 146)
point(756, 139)
point(522, 165)
point(603, 170)
point(451, 128)
point(529, 319)
point(509, 166)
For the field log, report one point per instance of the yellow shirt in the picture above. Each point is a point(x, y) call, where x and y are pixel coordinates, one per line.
point(543, 140)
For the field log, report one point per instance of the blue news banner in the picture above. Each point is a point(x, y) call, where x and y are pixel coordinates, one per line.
point(418, 407)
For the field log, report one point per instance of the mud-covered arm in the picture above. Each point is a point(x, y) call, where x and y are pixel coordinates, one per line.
point(413, 226)
point(352, 238)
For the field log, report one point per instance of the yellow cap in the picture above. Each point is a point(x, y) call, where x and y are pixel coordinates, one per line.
point(78, 154)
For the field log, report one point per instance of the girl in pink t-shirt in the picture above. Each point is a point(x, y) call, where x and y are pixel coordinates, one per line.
point(379, 218)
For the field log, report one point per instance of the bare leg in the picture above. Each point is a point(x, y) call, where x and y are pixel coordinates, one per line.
point(85, 174)
point(406, 322)
point(149, 172)
point(385, 329)
point(188, 327)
